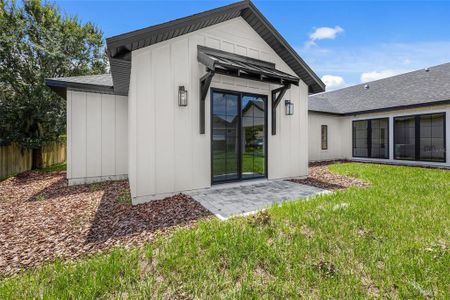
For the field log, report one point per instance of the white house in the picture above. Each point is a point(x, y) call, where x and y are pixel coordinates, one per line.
point(214, 97)
point(403, 119)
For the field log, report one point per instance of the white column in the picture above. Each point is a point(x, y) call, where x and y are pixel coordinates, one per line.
point(391, 138)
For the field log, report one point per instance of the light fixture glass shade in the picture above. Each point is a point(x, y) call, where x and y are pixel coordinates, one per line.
point(182, 96)
point(289, 107)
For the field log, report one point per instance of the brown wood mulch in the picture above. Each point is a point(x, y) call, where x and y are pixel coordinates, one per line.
point(41, 219)
point(321, 177)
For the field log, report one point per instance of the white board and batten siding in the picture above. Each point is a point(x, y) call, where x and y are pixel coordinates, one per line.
point(97, 137)
point(167, 154)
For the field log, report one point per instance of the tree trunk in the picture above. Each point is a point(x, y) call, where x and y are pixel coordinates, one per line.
point(36, 159)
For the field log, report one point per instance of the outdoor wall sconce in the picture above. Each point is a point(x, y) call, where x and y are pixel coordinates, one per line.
point(182, 96)
point(289, 107)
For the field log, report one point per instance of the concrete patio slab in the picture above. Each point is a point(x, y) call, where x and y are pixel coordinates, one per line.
point(243, 198)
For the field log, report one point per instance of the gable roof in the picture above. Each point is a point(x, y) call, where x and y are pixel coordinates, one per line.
point(429, 86)
point(121, 46)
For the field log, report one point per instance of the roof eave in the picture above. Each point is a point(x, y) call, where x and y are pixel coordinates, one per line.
point(60, 87)
point(313, 89)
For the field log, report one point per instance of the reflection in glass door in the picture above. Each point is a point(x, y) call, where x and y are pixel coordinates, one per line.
point(238, 136)
point(253, 137)
point(225, 134)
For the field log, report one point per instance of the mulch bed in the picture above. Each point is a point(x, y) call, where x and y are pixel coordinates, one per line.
point(42, 219)
point(319, 176)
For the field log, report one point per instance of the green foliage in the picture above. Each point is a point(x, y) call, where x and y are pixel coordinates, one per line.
point(36, 42)
point(389, 240)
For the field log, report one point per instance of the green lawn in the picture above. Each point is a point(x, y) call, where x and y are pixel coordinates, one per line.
point(250, 163)
point(391, 239)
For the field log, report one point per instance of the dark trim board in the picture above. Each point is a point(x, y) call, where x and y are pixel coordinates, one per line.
point(326, 113)
point(384, 109)
point(61, 87)
point(266, 135)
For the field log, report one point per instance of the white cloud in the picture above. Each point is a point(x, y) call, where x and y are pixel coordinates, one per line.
point(375, 75)
point(333, 82)
point(323, 33)
point(351, 62)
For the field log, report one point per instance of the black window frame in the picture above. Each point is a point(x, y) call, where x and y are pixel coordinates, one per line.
point(322, 135)
point(417, 137)
point(369, 138)
point(240, 94)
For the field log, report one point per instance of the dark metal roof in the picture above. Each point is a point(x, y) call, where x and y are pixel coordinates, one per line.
point(242, 66)
point(423, 87)
point(120, 47)
point(95, 83)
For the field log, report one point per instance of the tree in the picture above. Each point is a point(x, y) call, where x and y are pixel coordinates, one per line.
point(36, 42)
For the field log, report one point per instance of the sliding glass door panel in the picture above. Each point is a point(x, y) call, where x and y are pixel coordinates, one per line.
point(253, 138)
point(238, 124)
point(225, 136)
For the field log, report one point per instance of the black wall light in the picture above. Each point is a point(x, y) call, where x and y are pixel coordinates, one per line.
point(289, 105)
point(182, 96)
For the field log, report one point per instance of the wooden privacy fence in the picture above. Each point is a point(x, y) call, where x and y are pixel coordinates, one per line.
point(14, 160)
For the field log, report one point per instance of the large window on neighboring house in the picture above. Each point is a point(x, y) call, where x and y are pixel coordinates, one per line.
point(371, 138)
point(420, 137)
point(324, 137)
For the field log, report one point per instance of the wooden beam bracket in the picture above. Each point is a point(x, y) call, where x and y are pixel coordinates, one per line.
point(205, 82)
point(277, 95)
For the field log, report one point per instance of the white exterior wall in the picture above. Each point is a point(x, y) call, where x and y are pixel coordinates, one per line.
point(167, 154)
point(345, 134)
point(97, 137)
point(336, 142)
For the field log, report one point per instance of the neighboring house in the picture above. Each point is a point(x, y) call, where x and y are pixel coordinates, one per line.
point(403, 119)
point(174, 114)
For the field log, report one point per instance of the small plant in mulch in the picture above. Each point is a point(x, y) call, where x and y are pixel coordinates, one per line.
point(40, 197)
point(124, 197)
point(95, 187)
point(326, 269)
point(262, 218)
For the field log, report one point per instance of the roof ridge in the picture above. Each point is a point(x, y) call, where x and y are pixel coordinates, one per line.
point(381, 79)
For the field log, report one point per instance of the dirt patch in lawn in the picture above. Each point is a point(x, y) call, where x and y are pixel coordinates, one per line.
point(321, 177)
point(42, 219)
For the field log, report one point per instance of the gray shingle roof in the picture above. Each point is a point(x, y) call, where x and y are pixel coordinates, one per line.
point(415, 88)
point(100, 80)
point(95, 83)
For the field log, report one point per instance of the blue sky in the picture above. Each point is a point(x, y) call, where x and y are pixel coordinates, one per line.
point(344, 42)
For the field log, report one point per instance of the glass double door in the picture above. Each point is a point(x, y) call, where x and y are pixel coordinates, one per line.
point(238, 136)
